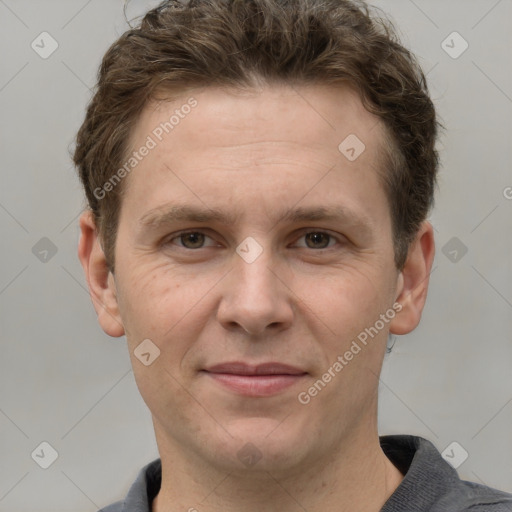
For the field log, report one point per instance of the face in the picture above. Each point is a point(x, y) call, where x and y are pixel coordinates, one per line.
point(254, 254)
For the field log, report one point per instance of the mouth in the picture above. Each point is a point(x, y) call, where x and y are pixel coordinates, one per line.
point(261, 380)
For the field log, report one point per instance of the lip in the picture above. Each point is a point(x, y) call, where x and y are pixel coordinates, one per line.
point(255, 380)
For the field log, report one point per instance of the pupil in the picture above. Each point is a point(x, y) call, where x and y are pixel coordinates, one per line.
point(195, 239)
point(317, 237)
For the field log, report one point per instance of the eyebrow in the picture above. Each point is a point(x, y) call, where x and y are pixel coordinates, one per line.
point(168, 214)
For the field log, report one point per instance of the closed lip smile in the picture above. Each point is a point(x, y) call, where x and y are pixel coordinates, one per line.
point(258, 380)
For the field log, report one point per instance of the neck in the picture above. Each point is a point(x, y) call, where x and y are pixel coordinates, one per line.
point(356, 476)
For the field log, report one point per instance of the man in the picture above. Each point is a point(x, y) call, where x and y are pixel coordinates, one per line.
point(259, 174)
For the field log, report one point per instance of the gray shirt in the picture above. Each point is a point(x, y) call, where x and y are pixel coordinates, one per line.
point(430, 484)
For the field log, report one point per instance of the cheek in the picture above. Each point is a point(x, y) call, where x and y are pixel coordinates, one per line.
point(167, 397)
point(347, 302)
point(156, 299)
point(349, 307)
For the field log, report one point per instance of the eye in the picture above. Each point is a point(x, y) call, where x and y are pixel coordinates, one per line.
point(196, 240)
point(189, 239)
point(318, 240)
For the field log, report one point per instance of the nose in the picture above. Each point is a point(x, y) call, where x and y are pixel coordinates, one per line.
point(255, 297)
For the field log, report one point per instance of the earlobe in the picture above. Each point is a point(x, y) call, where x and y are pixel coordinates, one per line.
point(413, 280)
point(99, 279)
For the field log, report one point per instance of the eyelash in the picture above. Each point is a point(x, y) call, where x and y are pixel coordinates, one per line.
point(168, 241)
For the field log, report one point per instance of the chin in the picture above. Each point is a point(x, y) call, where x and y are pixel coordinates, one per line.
point(263, 444)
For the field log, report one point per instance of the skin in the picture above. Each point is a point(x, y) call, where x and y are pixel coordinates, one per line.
point(259, 154)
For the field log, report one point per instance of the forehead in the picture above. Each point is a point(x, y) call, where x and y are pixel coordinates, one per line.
point(316, 117)
point(283, 135)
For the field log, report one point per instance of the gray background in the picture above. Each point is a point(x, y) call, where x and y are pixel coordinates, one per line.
point(63, 381)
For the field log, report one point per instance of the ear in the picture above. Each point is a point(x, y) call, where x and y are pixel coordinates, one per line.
point(99, 278)
point(413, 281)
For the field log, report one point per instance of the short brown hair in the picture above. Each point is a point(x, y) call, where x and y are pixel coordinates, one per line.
point(234, 43)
